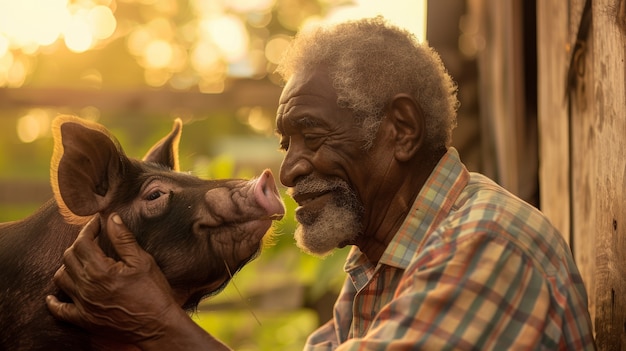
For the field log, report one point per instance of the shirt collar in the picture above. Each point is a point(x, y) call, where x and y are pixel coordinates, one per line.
point(431, 206)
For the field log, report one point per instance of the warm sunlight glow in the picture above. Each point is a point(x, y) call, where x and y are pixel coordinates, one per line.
point(275, 47)
point(156, 78)
point(28, 27)
point(250, 5)
point(204, 58)
point(258, 121)
point(138, 40)
point(410, 14)
point(87, 26)
point(16, 74)
point(102, 22)
point(229, 35)
point(4, 45)
point(33, 125)
point(77, 34)
point(199, 43)
point(158, 54)
point(27, 129)
point(28, 23)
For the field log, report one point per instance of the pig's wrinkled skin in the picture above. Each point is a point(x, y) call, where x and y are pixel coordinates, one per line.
point(193, 228)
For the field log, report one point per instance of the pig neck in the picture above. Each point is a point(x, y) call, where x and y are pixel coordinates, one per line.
point(49, 214)
point(182, 294)
point(103, 344)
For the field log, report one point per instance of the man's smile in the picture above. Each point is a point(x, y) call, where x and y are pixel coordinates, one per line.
point(305, 199)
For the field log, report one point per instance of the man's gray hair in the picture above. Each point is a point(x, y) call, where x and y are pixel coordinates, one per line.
point(370, 61)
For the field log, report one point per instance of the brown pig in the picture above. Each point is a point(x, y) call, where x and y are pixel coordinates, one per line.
point(199, 231)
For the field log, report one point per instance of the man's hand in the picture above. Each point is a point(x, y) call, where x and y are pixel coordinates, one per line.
point(128, 300)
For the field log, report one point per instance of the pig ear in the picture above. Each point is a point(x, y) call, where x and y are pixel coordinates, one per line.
point(165, 152)
point(86, 162)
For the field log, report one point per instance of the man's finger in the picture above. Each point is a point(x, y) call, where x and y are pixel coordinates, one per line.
point(64, 280)
point(63, 311)
point(123, 241)
point(86, 243)
point(85, 251)
point(91, 229)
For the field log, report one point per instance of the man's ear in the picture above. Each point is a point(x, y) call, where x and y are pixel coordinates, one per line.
point(409, 126)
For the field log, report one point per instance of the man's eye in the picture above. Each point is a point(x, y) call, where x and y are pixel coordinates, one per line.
point(313, 141)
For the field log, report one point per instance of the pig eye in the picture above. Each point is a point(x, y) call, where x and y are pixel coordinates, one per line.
point(154, 195)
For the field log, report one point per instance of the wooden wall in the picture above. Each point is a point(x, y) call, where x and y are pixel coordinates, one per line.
point(582, 138)
point(580, 89)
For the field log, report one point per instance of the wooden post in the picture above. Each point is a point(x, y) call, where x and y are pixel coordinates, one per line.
point(609, 136)
point(583, 148)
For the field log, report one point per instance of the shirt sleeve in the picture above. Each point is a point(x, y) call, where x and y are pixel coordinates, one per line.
point(479, 292)
point(329, 336)
point(323, 339)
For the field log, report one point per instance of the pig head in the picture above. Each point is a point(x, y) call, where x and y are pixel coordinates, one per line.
point(199, 231)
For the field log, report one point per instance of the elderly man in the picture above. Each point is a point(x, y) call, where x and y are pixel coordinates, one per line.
point(442, 258)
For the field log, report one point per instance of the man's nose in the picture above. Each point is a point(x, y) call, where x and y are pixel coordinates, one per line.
point(293, 167)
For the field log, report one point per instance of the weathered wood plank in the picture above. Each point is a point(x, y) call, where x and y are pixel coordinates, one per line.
point(553, 42)
point(609, 94)
point(583, 153)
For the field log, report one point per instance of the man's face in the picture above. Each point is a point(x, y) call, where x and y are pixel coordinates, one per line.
point(324, 165)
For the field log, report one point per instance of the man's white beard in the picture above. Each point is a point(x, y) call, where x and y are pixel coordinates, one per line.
point(336, 225)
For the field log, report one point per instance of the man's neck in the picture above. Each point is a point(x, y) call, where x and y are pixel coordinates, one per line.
point(386, 216)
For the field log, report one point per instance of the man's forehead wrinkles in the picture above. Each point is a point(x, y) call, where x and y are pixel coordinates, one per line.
point(304, 121)
point(297, 115)
point(307, 122)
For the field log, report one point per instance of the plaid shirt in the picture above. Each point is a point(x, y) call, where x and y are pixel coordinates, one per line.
point(473, 268)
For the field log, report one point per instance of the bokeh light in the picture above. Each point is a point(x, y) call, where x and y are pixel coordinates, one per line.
point(27, 26)
point(33, 125)
point(102, 22)
point(275, 47)
point(28, 23)
point(158, 54)
point(77, 34)
point(228, 34)
point(409, 14)
point(192, 45)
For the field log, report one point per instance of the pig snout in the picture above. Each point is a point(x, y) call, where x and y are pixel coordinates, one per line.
point(232, 223)
point(267, 196)
point(237, 215)
point(242, 201)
